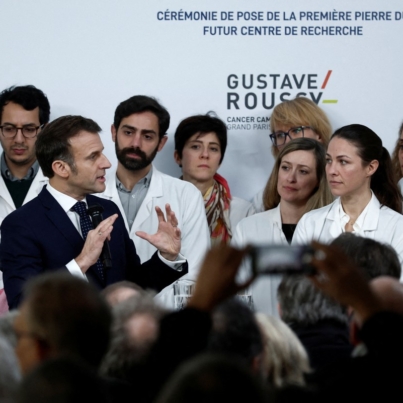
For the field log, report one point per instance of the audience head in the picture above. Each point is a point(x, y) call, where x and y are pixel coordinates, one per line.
point(374, 258)
point(285, 359)
point(356, 161)
point(389, 291)
point(299, 117)
point(23, 113)
point(9, 372)
point(301, 304)
point(212, 378)
point(135, 329)
point(300, 163)
point(121, 291)
point(61, 315)
point(236, 332)
point(397, 156)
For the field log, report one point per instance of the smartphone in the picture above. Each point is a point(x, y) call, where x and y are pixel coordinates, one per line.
point(282, 259)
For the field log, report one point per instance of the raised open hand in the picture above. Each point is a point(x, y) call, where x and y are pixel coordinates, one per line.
point(167, 239)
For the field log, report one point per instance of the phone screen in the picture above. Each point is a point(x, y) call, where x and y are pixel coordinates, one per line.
point(274, 259)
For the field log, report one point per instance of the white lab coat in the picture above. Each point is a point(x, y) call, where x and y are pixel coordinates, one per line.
point(257, 201)
point(7, 205)
point(187, 203)
point(238, 210)
point(381, 224)
point(261, 229)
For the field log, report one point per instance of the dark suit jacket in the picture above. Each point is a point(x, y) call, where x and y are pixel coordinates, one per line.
point(40, 237)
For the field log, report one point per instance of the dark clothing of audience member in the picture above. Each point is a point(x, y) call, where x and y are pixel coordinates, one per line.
point(320, 323)
point(326, 341)
point(236, 332)
point(63, 380)
point(213, 378)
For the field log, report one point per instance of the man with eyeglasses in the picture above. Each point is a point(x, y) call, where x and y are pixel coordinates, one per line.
point(24, 111)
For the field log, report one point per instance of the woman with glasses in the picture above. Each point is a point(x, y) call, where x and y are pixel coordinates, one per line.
point(200, 143)
point(359, 172)
point(296, 185)
point(294, 119)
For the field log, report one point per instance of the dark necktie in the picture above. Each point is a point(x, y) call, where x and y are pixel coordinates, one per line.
point(86, 227)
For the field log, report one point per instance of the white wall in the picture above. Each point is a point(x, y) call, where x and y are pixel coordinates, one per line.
point(88, 56)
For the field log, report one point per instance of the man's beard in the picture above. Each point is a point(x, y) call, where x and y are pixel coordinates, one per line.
point(132, 164)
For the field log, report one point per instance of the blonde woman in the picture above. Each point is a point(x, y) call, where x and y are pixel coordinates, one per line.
point(296, 185)
point(294, 119)
point(285, 360)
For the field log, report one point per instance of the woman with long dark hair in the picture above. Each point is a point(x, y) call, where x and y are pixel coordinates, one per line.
point(359, 172)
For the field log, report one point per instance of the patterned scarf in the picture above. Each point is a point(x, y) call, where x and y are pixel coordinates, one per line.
point(217, 204)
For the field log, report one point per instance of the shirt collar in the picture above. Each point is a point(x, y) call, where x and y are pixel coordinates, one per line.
point(359, 222)
point(143, 181)
point(65, 201)
point(5, 171)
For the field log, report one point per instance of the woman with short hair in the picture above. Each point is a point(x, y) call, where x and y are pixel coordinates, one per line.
point(200, 143)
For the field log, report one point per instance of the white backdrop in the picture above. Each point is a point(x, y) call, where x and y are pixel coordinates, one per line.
point(89, 55)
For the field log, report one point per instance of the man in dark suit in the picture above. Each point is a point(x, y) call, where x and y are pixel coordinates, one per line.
point(51, 232)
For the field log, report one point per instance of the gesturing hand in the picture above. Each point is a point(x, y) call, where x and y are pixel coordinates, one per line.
point(94, 243)
point(167, 239)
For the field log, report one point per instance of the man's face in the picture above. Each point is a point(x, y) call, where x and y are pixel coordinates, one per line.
point(19, 150)
point(137, 140)
point(28, 346)
point(88, 173)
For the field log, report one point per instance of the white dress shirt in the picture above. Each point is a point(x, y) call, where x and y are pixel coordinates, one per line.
point(377, 222)
point(66, 203)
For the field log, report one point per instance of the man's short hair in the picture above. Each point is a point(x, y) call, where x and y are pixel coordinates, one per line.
point(69, 315)
point(139, 104)
point(112, 291)
point(29, 97)
point(53, 141)
point(304, 305)
point(235, 331)
point(374, 258)
point(202, 124)
point(130, 346)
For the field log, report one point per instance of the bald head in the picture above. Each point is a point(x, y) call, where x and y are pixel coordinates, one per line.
point(389, 292)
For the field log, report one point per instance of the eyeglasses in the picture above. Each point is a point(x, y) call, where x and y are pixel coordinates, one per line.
point(29, 131)
point(279, 138)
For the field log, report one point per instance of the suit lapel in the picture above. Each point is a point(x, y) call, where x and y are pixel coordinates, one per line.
point(59, 218)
